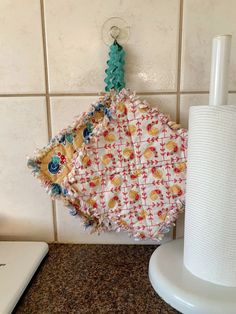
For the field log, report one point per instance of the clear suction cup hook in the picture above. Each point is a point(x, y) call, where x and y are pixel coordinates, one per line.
point(115, 28)
point(115, 32)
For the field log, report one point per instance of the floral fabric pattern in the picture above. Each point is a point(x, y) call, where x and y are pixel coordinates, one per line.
point(130, 175)
point(52, 163)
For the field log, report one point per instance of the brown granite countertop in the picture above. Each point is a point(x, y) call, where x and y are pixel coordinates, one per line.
point(94, 279)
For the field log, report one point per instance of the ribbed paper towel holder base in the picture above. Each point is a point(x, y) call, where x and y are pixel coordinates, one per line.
point(182, 290)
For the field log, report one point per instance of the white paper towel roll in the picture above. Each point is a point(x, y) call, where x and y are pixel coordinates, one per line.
point(210, 219)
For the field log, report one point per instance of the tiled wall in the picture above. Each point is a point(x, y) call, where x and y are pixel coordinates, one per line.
point(52, 61)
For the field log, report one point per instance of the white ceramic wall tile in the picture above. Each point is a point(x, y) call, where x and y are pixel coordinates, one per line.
point(204, 19)
point(188, 100)
point(77, 55)
point(21, 57)
point(69, 228)
point(165, 103)
point(25, 210)
point(65, 109)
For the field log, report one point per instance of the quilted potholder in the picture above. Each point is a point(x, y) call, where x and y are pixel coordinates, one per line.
point(52, 163)
point(131, 175)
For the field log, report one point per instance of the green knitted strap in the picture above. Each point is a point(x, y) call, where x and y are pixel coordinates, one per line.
point(115, 70)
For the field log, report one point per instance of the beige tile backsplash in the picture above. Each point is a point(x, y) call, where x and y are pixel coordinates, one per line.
point(188, 100)
point(65, 109)
point(25, 210)
point(202, 20)
point(77, 54)
point(21, 56)
point(52, 63)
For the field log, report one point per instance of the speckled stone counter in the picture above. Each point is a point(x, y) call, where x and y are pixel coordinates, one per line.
point(93, 279)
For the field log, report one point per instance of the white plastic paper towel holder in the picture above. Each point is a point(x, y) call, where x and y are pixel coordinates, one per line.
point(167, 273)
point(184, 291)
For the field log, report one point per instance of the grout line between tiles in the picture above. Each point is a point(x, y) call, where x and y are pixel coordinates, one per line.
point(201, 92)
point(179, 76)
point(24, 95)
point(72, 94)
point(193, 92)
point(179, 61)
point(46, 71)
point(49, 125)
point(155, 93)
point(94, 94)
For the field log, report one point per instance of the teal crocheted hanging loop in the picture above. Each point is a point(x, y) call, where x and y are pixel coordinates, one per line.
point(115, 70)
